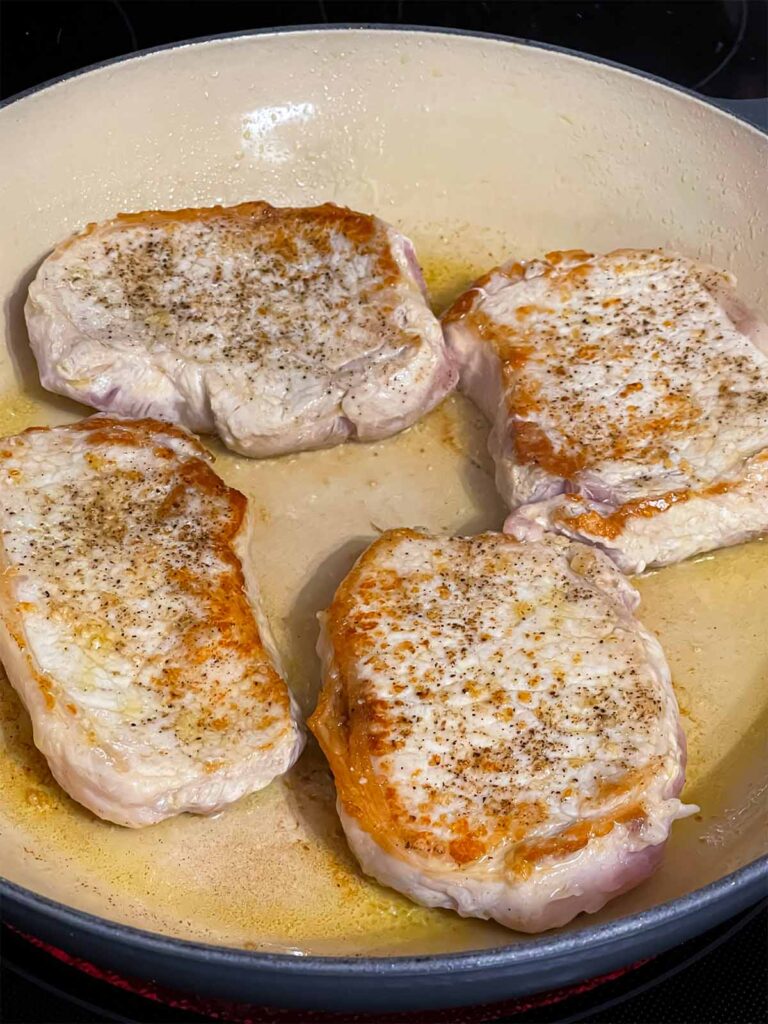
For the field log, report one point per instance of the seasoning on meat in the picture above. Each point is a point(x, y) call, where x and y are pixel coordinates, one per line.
point(130, 622)
point(502, 730)
point(277, 329)
point(629, 400)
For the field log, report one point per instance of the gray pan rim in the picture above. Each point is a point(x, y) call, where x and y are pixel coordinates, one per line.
point(751, 878)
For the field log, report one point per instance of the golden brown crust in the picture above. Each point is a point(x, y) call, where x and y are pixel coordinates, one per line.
point(184, 521)
point(572, 839)
point(345, 724)
point(116, 430)
point(463, 305)
point(278, 296)
point(278, 226)
point(612, 525)
point(639, 320)
point(370, 627)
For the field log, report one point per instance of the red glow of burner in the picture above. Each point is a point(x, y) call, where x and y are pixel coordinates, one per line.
point(240, 1013)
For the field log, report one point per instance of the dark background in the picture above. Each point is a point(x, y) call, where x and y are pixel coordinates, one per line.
point(718, 48)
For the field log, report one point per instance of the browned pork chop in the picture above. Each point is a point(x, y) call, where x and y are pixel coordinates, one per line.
point(277, 329)
point(502, 730)
point(629, 400)
point(130, 621)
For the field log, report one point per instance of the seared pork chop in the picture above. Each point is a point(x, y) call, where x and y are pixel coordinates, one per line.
point(629, 400)
point(502, 730)
point(277, 329)
point(130, 622)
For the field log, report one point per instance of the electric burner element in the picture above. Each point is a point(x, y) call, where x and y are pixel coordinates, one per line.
point(47, 984)
point(238, 1013)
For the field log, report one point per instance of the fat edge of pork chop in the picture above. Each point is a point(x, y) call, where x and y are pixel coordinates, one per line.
point(482, 828)
point(131, 624)
point(629, 405)
point(279, 329)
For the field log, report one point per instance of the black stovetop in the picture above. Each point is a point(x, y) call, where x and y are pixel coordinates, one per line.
point(718, 48)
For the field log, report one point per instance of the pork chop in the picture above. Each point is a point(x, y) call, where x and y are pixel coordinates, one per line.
point(629, 400)
point(502, 730)
point(277, 329)
point(130, 622)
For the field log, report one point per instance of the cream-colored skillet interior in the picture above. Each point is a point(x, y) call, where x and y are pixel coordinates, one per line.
point(479, 150)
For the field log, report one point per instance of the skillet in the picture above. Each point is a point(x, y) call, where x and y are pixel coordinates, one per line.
point(479, 148)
